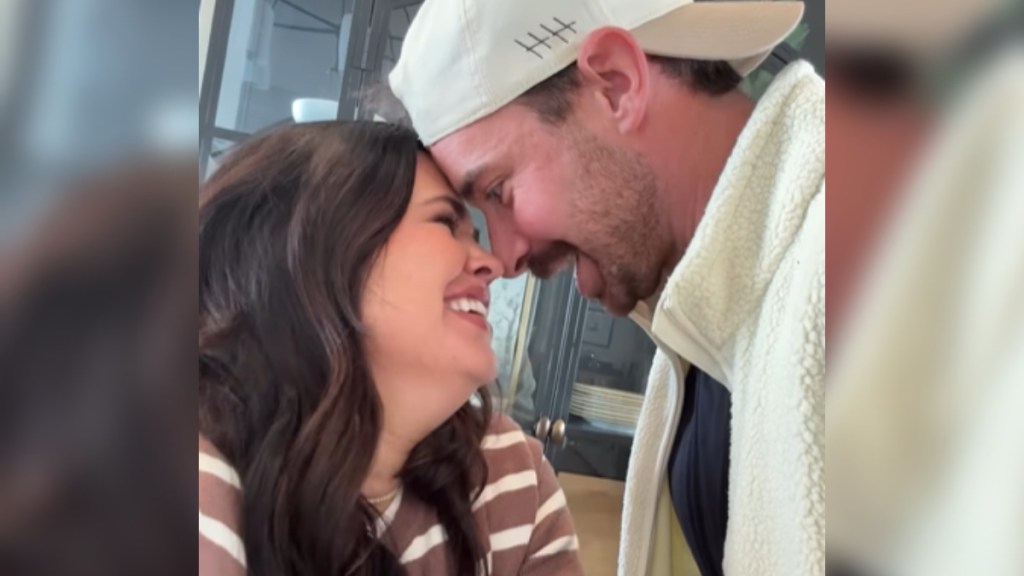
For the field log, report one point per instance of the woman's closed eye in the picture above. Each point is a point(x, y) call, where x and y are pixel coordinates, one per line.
point(459, 225)
point(455, 217)
point(450, 220)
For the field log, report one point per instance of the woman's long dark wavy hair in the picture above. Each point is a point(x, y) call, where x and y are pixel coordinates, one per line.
point(289, 227)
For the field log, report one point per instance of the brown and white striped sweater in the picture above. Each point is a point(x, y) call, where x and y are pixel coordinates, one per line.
point(521, 516)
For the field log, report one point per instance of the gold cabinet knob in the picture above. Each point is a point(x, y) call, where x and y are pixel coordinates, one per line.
point(542, 428)
point(558, 431)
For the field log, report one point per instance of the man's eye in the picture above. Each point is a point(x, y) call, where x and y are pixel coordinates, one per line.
point(494, 194)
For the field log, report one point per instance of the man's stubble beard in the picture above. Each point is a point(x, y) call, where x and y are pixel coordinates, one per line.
point(616, 206)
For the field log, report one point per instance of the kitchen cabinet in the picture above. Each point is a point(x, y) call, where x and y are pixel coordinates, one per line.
point(580, 379)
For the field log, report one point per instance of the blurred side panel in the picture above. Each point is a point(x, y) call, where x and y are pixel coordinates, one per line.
point(98, 189)
point(926, 271)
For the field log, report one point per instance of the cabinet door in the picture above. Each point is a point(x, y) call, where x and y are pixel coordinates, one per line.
point(528, 320)
point(569, 373)
point(544, 349)
point(601, 392)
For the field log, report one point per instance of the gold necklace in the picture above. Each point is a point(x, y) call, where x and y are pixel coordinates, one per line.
point(377, 501)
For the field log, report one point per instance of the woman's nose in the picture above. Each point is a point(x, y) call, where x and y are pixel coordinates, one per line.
point(484, 265)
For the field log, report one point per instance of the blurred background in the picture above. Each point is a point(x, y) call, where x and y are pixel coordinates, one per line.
point(925, 256)
point(98, 139)
point(85, 83)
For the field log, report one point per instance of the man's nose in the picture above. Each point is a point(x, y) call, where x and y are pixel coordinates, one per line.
point(511, 248)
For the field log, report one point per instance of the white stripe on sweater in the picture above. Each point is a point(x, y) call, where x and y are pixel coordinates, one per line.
point(499, 441)
point(554, 503)
point(222, 536)
point(423, 544)
point(217, 467)
point(557, 546)
point(385, 519)
point(509, 483)
point(511, 538)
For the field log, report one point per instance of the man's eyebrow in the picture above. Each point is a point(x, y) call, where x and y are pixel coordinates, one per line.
point(469, 183)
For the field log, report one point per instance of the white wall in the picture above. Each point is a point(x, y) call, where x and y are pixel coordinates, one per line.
point(10, 16)
point(206, 8)
point(235, 61)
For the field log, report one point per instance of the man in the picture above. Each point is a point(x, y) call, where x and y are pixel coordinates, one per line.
point(611, 134)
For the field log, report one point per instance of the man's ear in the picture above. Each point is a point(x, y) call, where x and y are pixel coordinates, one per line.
point(614, 70)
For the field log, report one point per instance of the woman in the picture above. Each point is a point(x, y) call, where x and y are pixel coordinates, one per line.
point(342, 345)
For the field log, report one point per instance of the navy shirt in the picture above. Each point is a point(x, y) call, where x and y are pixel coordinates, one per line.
point(699, 469)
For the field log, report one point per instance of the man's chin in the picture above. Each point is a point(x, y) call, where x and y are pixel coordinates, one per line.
point(617, 305)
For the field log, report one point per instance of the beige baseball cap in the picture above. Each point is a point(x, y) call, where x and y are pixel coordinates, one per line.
point(921, 29)
point(464, 59)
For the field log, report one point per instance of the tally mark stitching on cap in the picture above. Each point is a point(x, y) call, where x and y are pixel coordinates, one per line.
point(537, 42)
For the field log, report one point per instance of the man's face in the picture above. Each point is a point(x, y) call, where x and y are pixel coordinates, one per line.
point(557, 194)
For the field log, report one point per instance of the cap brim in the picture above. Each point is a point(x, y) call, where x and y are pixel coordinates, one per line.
point(922, 29)
point(741, 33)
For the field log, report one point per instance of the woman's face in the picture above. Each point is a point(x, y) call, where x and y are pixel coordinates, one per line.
point(425, 306)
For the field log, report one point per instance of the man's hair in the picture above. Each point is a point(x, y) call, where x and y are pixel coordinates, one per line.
point(377, 99)
point(552, 98)
point(876, 75)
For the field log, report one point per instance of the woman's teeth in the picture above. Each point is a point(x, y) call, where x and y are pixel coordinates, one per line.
point(468, 305)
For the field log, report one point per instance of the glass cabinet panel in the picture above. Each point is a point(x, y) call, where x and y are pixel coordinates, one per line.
point(606, 391)
point(280, 51)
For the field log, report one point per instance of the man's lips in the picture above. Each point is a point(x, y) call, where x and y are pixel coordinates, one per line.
point(588, 279)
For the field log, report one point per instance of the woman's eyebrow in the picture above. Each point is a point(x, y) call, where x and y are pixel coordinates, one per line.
point(458, 206)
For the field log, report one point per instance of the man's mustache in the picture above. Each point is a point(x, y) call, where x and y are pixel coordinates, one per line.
point(552, 259)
